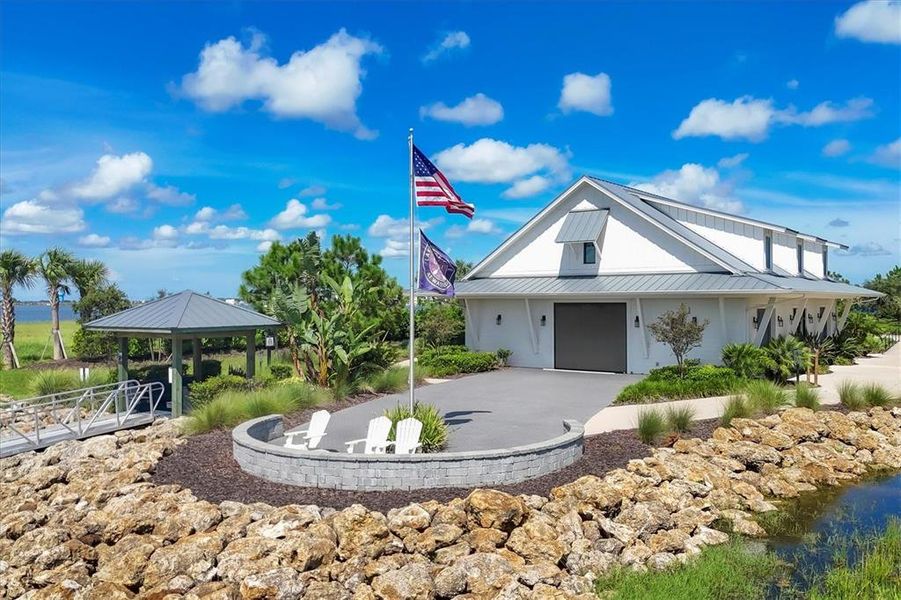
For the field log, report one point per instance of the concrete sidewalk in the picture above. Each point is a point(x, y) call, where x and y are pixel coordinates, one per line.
point(884, 369)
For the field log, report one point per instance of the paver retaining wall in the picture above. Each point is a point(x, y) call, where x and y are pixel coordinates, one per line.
point(380, 472)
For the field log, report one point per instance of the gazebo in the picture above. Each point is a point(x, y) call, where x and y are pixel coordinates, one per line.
point(186, 315)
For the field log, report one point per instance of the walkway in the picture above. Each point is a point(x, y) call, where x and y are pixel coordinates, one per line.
point(884, 369)
point(499, 409)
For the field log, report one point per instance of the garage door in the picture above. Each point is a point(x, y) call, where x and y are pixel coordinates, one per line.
point(590, 336)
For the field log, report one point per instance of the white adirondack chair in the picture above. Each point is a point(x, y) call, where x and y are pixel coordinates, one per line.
point(312, 434)
point(406, 436)
point(376, 437)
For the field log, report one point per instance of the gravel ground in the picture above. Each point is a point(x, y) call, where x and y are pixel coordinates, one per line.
point(206, 466)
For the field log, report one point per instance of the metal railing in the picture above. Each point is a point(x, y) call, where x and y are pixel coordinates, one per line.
point(74, 413)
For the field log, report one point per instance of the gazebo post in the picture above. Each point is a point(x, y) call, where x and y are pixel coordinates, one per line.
point(122, 364)
point(176, 376)
point(251, 355)
point(198, 358)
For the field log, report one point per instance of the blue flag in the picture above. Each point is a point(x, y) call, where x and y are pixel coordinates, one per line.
point(436, 269)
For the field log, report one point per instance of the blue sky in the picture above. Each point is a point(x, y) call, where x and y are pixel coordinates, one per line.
point(176, 140)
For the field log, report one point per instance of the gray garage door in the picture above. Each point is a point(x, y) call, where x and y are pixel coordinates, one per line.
point(590, 336)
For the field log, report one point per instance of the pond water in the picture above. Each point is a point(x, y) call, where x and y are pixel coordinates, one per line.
point(811, 532)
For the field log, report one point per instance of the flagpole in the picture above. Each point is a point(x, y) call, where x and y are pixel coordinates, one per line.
point(412, 380)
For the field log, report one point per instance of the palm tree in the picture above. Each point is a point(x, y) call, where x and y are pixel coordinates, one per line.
point(15, 269)
point(88, 275)
point(54, 267)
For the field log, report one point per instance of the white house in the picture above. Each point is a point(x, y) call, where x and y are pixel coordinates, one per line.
point(576, 286)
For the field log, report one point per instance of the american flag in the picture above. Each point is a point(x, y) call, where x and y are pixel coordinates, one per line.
point(433, 188)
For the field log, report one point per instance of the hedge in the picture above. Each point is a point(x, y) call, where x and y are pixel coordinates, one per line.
point(665, 384)
point(451, 360)
point(202, 392)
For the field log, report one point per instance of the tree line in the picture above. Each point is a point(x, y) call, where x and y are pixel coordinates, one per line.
point(59, 271)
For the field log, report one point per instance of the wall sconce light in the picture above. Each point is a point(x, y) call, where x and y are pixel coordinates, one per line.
point(543, 320)
point(792, 316)
point(498, 320)
point(755, 322)
point(810, 317)
point(780, 321)
point(637, 322)
point(694, 320)
point(820, 312)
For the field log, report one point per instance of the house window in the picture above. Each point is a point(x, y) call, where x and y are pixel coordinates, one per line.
point(800, 258)
point(768, 251)
point(589, 253)
point(825, 262)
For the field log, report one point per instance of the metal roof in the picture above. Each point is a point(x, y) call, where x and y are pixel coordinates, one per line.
point(185, 312)
point(653, 285)
point(629, 196)
point(582, 226)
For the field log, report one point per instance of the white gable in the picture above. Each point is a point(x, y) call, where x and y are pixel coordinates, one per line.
point(628, 244)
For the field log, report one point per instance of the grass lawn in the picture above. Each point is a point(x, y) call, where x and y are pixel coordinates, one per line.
point(32, 339)
point(725, 572)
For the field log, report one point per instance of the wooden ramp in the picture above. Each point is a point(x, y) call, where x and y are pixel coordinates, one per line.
point(40, 422)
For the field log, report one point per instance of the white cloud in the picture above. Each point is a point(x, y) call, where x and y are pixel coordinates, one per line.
point(475, 110)
point(527, 187)
point(114, 175)
point(38, 217)
point(165, 232)
point(295, 217)
point(824, 113)
point(224, 232)
point(286, 182)
point(792, 84)
point(865, 249)
point(837, 222)
point(385, 226)
point(493, 161)
point(871, 21)
point(482, 226)
point(206, 213)
point(751, 118)
point(321, 84)
point(121, 206)
point(694, 184)
point(888, 155)
point(313, 190)
point(169, 195)
point(323, 204)
point(837, 148)
point(452, 41)
point(264, 246)
point(395, 249)
point(730, 162)
point(586, 93)
point(234, 212)
point(92, 240)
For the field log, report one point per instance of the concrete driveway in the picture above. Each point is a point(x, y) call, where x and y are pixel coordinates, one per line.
point(498, 409)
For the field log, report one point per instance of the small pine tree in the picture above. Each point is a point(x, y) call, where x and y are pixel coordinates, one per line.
point(682, 334)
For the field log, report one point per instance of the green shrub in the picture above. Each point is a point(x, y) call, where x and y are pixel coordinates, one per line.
point(700, 381)
point(232, 407)
point(434, 430)
point(201, 392)
point(850, 394)
point(807, 397)
point(53, 381)
point(765, 397)
point(440, 322)
point(503, 356)
point(736, 408)
point(747, 360)
point(210, 367)
point(876, 395)
point(789, 355)
point(451, 360)
point(680, 419)
point(281, 371)
point(392, 380)
point(651, 425)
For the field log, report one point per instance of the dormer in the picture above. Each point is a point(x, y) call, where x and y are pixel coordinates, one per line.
point(582, 228)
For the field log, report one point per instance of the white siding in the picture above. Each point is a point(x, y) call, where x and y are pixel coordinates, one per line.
point(628, 244)
point(483, 333)
point(813, 258)
point(785, 253)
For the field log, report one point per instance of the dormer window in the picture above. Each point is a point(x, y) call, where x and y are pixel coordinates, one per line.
point(800, 258)
point(589, 253)
point(768, 251)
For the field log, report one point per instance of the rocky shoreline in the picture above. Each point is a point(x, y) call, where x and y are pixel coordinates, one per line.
point(83, 520)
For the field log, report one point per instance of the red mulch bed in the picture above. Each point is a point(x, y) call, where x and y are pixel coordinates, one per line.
point(206, 466)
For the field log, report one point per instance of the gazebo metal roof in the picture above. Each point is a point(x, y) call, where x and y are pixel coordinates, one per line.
point(187, 313)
